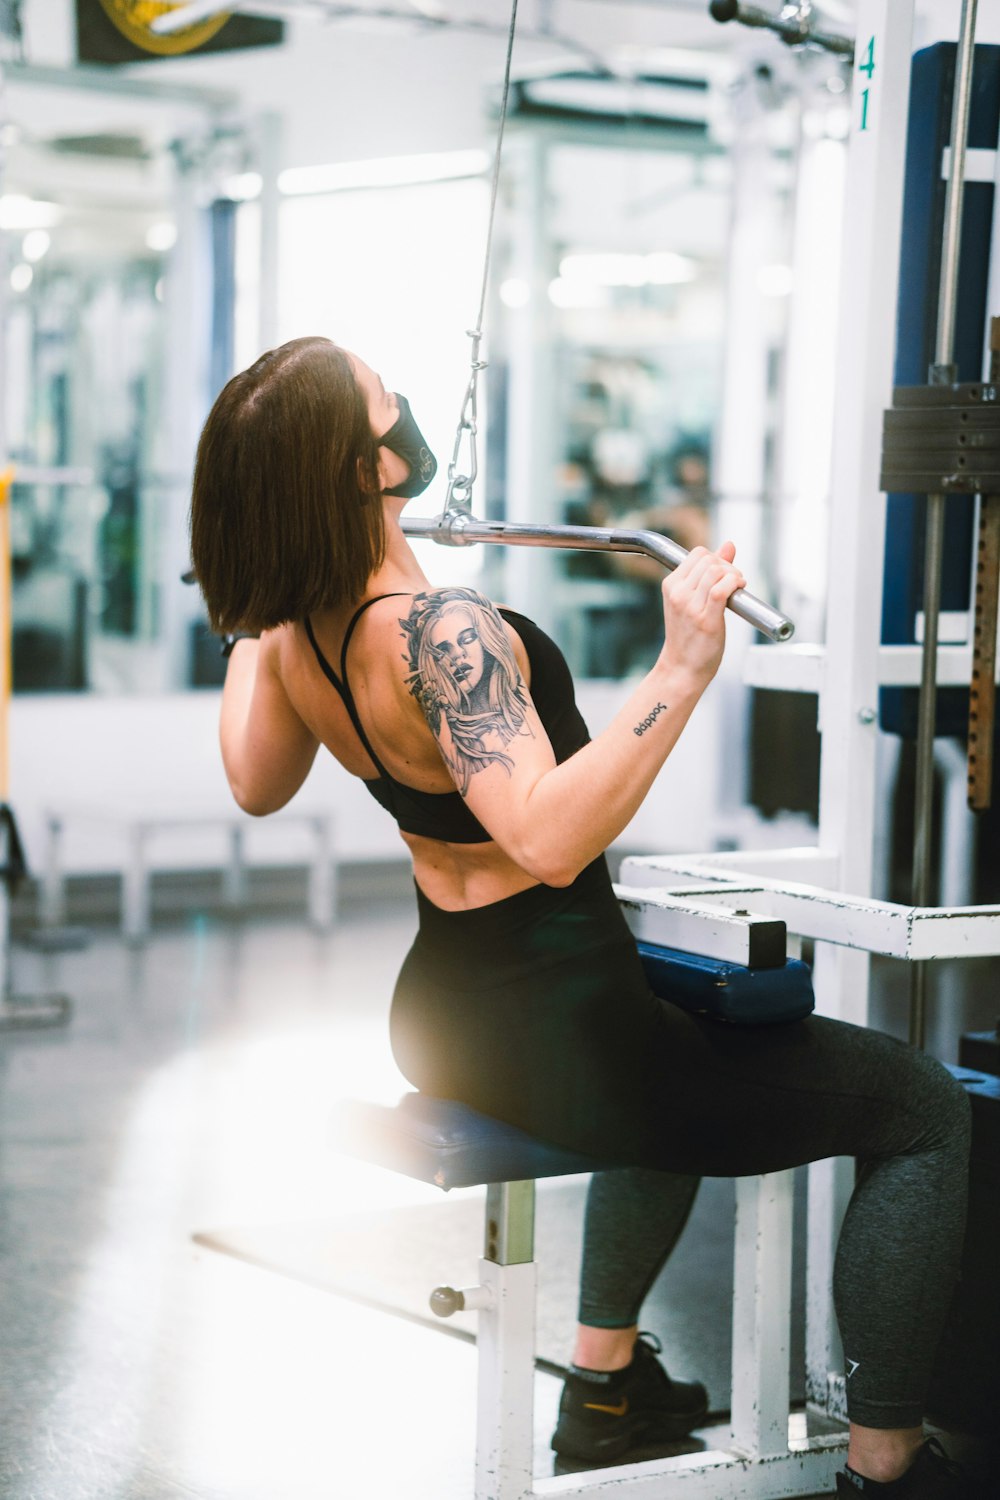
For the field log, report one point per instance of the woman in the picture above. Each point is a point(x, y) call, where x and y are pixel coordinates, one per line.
point(523, 994)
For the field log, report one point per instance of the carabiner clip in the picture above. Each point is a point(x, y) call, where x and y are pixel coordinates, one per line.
point(458, 497)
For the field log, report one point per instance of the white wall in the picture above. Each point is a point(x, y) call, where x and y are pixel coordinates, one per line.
point(158, 754)
point(161, 754)
point(344, 94)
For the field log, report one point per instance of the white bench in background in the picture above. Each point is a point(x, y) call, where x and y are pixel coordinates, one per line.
point(138, 833)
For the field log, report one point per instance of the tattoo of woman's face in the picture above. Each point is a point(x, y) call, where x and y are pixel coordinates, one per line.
point(457, 647)
point(463, 671)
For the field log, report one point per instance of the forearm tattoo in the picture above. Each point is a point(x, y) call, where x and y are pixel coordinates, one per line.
point(462, 671)
point(650, 719)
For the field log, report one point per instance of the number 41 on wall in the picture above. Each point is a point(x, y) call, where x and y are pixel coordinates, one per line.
point(867, 67)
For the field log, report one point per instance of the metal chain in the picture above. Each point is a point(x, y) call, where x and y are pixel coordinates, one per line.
point(458, 497)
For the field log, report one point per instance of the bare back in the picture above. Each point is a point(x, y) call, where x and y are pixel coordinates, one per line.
point(455, 876)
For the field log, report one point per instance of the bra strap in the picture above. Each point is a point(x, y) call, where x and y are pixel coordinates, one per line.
point(341, 683)
point(328, 671)
point(351, 625)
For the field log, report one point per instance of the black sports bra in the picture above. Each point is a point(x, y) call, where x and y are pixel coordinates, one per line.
point(444, 815)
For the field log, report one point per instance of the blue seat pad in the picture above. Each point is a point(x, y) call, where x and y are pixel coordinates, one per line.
point(983, 1090)
point(728, 991)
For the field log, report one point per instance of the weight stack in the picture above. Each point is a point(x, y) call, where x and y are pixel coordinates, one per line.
point(965, 1389)
point(932, 85)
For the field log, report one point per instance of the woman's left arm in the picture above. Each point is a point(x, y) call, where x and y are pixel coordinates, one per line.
point(266, 748)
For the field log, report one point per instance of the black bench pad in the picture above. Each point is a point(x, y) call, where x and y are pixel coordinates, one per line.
point(449, 1144)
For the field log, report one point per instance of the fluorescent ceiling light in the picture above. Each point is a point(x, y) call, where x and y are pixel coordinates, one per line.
point(243, 186)
point(20, 212)
point(162, 236)
point(515, 292)
point(564, 292)
point(612, 268)
point(775, 280)
point(384, 171)
point(35, 244)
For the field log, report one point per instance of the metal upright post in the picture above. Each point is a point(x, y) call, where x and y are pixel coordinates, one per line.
point(506, 1337)
point(873, 213)
point(530, 450)
point(45, 1010)
point(739, 445)
point(762, 1297)
point(269, 156)
point(942, 373)
point(186, 397)
point(6, 481)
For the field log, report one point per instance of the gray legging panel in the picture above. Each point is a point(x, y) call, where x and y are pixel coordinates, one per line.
point(535, 1010)
point(897, 1255)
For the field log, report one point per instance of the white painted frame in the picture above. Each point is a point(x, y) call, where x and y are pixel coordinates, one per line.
point(826, 894)
point(666, 897)
point(765, 1454)
point(846, 674)
point(661, 912)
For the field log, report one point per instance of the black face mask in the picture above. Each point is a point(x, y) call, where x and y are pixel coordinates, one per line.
point(405, 438)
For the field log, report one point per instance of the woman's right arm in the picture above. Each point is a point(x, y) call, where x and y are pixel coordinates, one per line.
point(553, 820)
point(267, 750)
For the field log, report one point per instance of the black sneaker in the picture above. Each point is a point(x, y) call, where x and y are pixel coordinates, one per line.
point(602, 1416)
point(931, 1476)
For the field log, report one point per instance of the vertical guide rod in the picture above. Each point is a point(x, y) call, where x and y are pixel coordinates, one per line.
point(6, 480)
point(983, 688)
point(942, 373)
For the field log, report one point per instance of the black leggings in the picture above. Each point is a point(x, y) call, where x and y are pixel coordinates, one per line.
point(535, 1010)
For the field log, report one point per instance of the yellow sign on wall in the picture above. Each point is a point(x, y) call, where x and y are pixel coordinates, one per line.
point(133, 19)
point(120, 31)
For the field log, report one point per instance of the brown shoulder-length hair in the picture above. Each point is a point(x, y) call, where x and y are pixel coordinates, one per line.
point(286, 516)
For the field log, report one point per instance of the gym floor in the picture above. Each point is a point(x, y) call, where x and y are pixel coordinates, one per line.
point(192, 1089)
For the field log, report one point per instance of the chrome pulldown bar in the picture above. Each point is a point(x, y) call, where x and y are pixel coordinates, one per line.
point(794, 25)
point(456, 529)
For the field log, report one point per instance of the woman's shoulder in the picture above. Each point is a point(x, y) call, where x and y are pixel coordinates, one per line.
point(418, 620)
point(419, 612)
